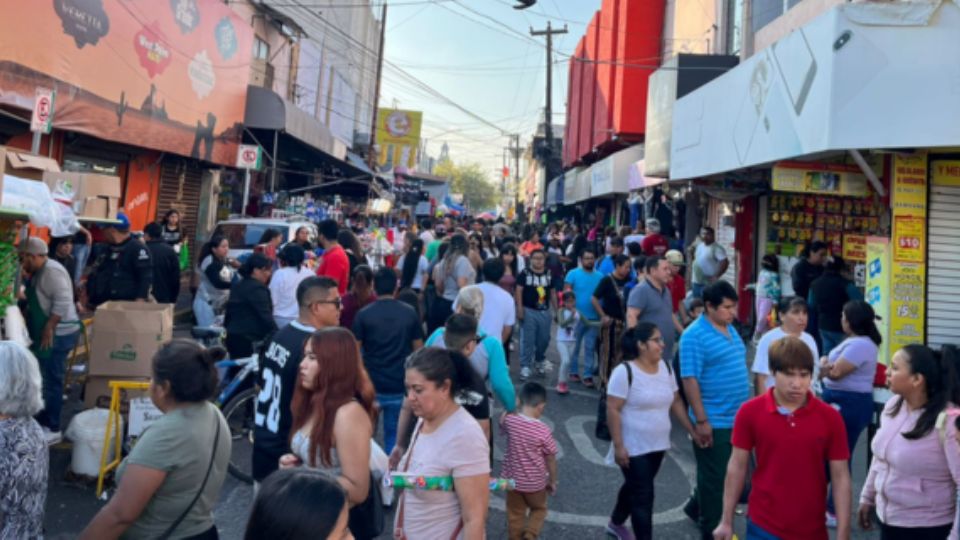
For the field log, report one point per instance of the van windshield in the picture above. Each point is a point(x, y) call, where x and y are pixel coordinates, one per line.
point(247, 235)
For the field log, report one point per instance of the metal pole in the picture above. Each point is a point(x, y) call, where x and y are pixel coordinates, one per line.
point(35, 145)
point(371, 158)
point(273, 173)
point(246, 191)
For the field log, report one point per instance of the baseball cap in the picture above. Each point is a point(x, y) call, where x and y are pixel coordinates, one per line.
point(123, 224)
point(674, 257)
point(34, 246)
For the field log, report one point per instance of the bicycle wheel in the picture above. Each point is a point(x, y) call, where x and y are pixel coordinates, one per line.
point(239, 415)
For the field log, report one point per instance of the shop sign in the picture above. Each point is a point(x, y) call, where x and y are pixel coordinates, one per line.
point(854, 248)
point(877, 289)
point(398, 136)
point(909, 193)
point(249, 156)
point(601, 177)
point(907, 305)
point(946, 173)
point(909, 237)
point(840, 180)
point(42, 118)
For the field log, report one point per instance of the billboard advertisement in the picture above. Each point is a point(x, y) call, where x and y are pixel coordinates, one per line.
point(169, 75)
point(398, 135)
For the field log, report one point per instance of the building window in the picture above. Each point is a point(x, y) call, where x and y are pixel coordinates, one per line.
point(764, 12)
point(261, 49)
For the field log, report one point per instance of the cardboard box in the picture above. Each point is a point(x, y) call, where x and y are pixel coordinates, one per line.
point(94, 196)
point(126, 335)
point(22, 164)
point(97, 392)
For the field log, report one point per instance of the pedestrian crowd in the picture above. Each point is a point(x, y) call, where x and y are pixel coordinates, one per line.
point(417, 347)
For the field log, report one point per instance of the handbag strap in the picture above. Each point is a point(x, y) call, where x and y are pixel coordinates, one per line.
point(398, 533)
point(213, 455)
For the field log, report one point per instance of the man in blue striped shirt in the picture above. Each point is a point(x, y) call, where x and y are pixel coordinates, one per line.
point(713, 366)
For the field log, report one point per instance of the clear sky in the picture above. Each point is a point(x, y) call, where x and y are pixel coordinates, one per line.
point(479, 54)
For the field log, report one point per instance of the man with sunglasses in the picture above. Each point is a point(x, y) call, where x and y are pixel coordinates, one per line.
point(319, 302)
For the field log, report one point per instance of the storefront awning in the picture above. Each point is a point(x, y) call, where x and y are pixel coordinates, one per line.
point(570, 186)
point(637, 178)
point(860, 76)
point(555, 191)
point(611, 175)
point(267, 110)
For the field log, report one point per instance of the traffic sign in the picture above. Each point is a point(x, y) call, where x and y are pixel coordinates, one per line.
point(42, 118)
point(249, 156)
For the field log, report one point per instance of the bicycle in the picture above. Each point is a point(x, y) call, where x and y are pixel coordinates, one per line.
point(236, 400)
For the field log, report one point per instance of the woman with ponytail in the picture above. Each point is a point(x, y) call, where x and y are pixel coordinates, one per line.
point(452, 274)
point(333, 412)
point(915, 472)
point(447, 442)
point(848, 374)
point(412, 266)
point(170, 482)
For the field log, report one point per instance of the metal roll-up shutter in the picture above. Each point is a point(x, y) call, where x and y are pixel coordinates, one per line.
point(180, 189)
point(943, 266)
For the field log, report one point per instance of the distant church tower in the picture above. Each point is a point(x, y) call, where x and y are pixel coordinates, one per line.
point(444, 152)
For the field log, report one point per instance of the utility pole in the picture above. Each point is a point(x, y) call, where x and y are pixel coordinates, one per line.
point(371, 157)
point(548, 113)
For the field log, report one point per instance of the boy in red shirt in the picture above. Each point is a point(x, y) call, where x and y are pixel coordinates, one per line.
point(531, 460)
point(334, 262)
point(793, 433)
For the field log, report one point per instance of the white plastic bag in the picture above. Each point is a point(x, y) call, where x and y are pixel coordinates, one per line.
point(15, 327)
point(380, 467)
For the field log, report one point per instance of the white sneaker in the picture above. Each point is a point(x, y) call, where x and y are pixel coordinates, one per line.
point(831, 521)
point(541, 369)
point(524, 373)
point(52, 437)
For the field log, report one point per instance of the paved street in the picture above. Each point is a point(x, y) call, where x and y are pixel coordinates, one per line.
point(580, 509)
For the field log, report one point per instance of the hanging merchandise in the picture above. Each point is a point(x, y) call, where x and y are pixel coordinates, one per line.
point(797, 219)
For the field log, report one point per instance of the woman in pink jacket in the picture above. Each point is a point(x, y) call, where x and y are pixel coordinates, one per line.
point(915, 472)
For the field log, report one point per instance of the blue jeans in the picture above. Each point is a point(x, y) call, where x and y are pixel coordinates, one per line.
point(856, 409)
point(830, 340)
point(535, 337)
point(52, 371)
point(390, 411)
point(586, 337)
point(698, 290)
point(81, 252)
point(754, 532)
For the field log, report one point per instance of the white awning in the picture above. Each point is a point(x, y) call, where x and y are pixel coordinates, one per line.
point(860, 76)
point(612, 174)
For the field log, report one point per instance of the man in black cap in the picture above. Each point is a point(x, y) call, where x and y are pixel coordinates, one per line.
point(124, 271)
point(166, 265)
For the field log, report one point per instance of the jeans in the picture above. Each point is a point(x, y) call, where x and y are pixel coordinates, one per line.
point(565, 349)
point(830, 341)
point(390, 409)
point(81, 252)
point(754, 532)
point(203, 312)
point(587, 338)
point(52, 371)
point(856, 409)
point(890, 532)
point(535, 335)
point(698, 290)
point(635, 498)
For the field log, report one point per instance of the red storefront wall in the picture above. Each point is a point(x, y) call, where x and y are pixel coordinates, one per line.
point(639, 37)
point(606, 72)
point(588, 88)
point(572, 127)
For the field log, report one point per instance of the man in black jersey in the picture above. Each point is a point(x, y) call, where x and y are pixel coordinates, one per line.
point(319, 302)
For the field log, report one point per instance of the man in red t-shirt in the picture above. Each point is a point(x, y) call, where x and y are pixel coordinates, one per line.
point(654, 243)
point(793, 433)
point(334, 263)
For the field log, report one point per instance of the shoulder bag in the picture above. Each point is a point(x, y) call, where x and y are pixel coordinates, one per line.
point(213, 455)
point(602, 431)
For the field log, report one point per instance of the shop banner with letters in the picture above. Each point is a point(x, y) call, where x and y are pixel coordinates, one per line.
point(908, 273)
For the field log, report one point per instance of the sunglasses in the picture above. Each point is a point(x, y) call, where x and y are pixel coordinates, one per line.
point(338, 303)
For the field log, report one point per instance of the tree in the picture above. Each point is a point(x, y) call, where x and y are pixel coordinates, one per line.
point(470, 180)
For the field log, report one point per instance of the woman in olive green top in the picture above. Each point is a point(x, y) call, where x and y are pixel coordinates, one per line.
point(170, 482)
